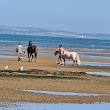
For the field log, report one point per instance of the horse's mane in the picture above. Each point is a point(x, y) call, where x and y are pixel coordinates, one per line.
point(30, 43)
point(65, 51)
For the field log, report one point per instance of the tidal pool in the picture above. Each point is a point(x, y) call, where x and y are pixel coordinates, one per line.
point(65, 93)
point(52, 106)
point(99, 73)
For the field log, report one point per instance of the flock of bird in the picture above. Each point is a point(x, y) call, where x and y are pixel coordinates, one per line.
point(6, 68)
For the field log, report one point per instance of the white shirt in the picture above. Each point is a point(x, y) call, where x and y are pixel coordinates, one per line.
point(20, 48)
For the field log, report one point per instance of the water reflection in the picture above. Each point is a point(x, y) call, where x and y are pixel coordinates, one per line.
point(99, 73)
point(52, 106)
point(65, 93)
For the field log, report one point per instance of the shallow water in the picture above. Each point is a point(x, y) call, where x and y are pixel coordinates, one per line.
point(99, 73)
point(45, 53)
point(52, 106)
point(91, 63)
point(5, 56)
point(65, 93)
point(7, 52)
point(14, 73)
point(8, 55)
point(94, 55)
point(95, 63)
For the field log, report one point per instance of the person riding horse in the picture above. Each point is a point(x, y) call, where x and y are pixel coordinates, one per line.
point(32, 49)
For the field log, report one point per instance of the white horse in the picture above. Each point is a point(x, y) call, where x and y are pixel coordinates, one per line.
point(70, 55)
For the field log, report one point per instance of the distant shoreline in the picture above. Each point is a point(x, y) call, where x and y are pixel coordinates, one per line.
point(50, 32)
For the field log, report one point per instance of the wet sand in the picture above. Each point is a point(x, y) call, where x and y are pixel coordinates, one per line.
point(11, 86)
point(49, 63)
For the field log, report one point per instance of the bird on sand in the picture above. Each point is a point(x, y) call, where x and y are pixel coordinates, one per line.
point(21, 68)
point(6, 67)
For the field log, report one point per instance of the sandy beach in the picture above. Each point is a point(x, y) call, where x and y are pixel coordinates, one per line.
point(48, 62)
point(11, 86)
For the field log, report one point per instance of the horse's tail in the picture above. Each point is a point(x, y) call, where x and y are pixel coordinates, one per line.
point(35, 53)
point(78, 60)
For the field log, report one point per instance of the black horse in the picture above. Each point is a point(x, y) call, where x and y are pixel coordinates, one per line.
point(32, 50)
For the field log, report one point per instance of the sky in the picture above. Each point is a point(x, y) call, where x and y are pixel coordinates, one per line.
point(85, 16)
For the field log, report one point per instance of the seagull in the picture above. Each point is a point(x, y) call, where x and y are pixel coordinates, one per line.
point(21, 68)
point(6, 67)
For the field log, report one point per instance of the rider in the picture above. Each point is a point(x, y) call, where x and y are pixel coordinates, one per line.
point(61, 51)
point(19, 50)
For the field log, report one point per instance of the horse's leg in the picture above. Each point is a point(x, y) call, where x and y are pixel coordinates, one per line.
point(73, 58)
point(76, 63)
point(35, 56)
point(31, 57)
point(28, 57)
point(73, 62)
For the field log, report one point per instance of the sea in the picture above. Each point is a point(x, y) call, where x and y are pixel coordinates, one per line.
point(55, 41)
point(12, 40)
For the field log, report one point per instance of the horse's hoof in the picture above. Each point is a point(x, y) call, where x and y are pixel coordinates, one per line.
point(58, 63)
point(62, 65)
point(29, 61)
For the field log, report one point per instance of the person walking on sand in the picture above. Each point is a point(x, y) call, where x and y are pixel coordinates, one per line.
point(19, 50)
point(61, 50)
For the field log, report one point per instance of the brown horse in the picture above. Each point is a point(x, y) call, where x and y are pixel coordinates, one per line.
point(32, 50)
